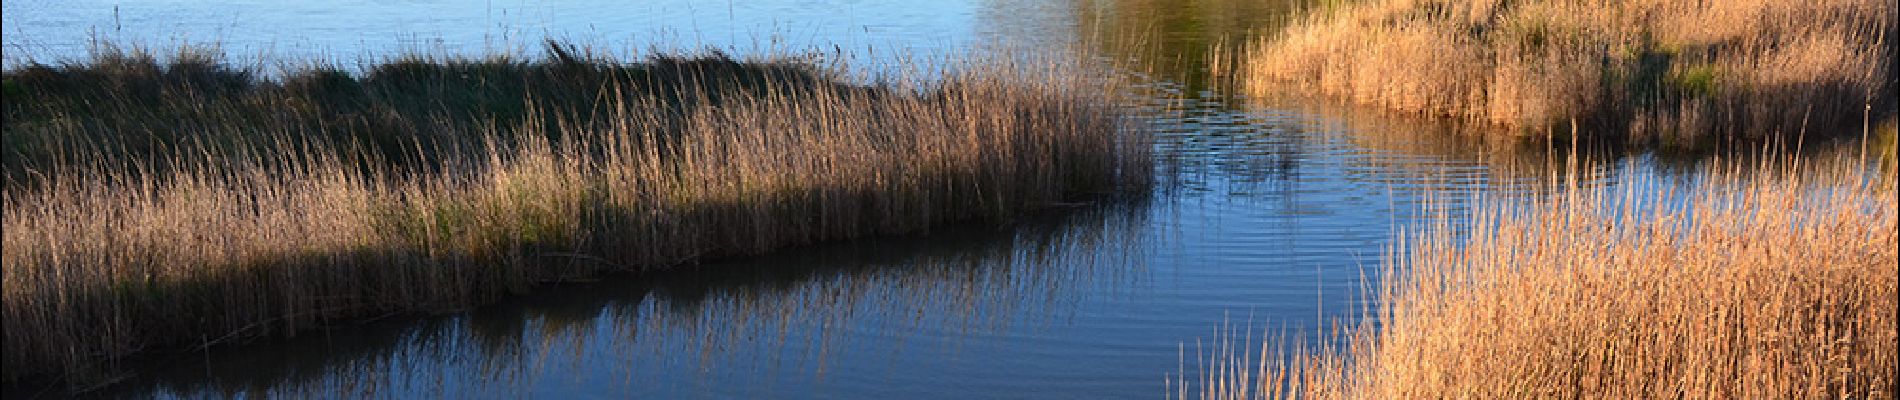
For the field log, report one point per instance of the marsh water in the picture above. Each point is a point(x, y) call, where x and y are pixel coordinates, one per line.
point(1272, 214)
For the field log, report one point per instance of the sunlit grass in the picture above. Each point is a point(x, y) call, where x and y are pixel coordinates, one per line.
point(241, 214)
point(1754, 282)
point(1672, 73)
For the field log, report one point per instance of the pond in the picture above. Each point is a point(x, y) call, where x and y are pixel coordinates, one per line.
point(1273, 214)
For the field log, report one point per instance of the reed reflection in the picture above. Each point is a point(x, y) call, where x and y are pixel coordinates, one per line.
point(719, 326)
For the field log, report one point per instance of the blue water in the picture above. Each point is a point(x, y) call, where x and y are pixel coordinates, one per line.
point(350, 30)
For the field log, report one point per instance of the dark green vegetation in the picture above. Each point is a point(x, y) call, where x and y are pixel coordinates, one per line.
point(166, 205)
point(130, 106)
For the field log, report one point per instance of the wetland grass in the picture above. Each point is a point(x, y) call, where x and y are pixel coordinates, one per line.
point(161, 206)
point(1753, 282)
point(1677, 74)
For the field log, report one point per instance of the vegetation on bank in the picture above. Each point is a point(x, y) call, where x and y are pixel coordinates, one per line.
point(1671, 73)
point(130, 109)
point(153, 205)
point(1755, 282)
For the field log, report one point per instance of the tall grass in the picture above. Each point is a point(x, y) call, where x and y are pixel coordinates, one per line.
point(138, 109)
point(271, 228)
point(970, 280)
point(1673, 73)
point(1770, 283)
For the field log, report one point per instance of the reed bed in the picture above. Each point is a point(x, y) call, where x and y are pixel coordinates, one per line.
point(707, 323)
point(1756, 282)
point(1680, 74)
point(248, 225)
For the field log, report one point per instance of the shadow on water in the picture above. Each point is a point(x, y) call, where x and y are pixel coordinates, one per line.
point(964, 280)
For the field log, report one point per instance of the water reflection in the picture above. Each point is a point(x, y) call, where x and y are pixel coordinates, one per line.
point(1254, 144)
point(745, 325)
point(1173, 39)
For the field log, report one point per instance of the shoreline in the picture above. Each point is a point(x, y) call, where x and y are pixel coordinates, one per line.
point(229, 233)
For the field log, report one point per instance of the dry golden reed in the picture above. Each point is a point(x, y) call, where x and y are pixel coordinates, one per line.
point(1673, 73)
point(105, 259)
point(1752, 283)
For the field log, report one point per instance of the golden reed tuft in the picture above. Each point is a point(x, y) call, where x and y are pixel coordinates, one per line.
point(1755, 282)
point(1671, 73)
point(108, 258)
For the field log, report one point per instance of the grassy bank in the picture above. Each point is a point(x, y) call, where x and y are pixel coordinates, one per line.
point(154, 208)
point(959, 279)
point(1672, 73)
point(137, 110)
point(1777, 285)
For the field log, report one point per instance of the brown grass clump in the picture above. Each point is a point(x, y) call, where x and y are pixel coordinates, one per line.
point(275, 227)
point(1779, 286)
point(1673, 73)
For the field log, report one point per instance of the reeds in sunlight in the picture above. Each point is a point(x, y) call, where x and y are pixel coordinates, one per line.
point(1754, 282)
point(1670, 73)
point(274, 206)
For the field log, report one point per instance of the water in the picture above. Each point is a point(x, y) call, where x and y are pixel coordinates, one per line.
point(349, 29)
point(1274, 214)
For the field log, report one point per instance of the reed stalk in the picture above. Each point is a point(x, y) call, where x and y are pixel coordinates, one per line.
point(158, 206)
